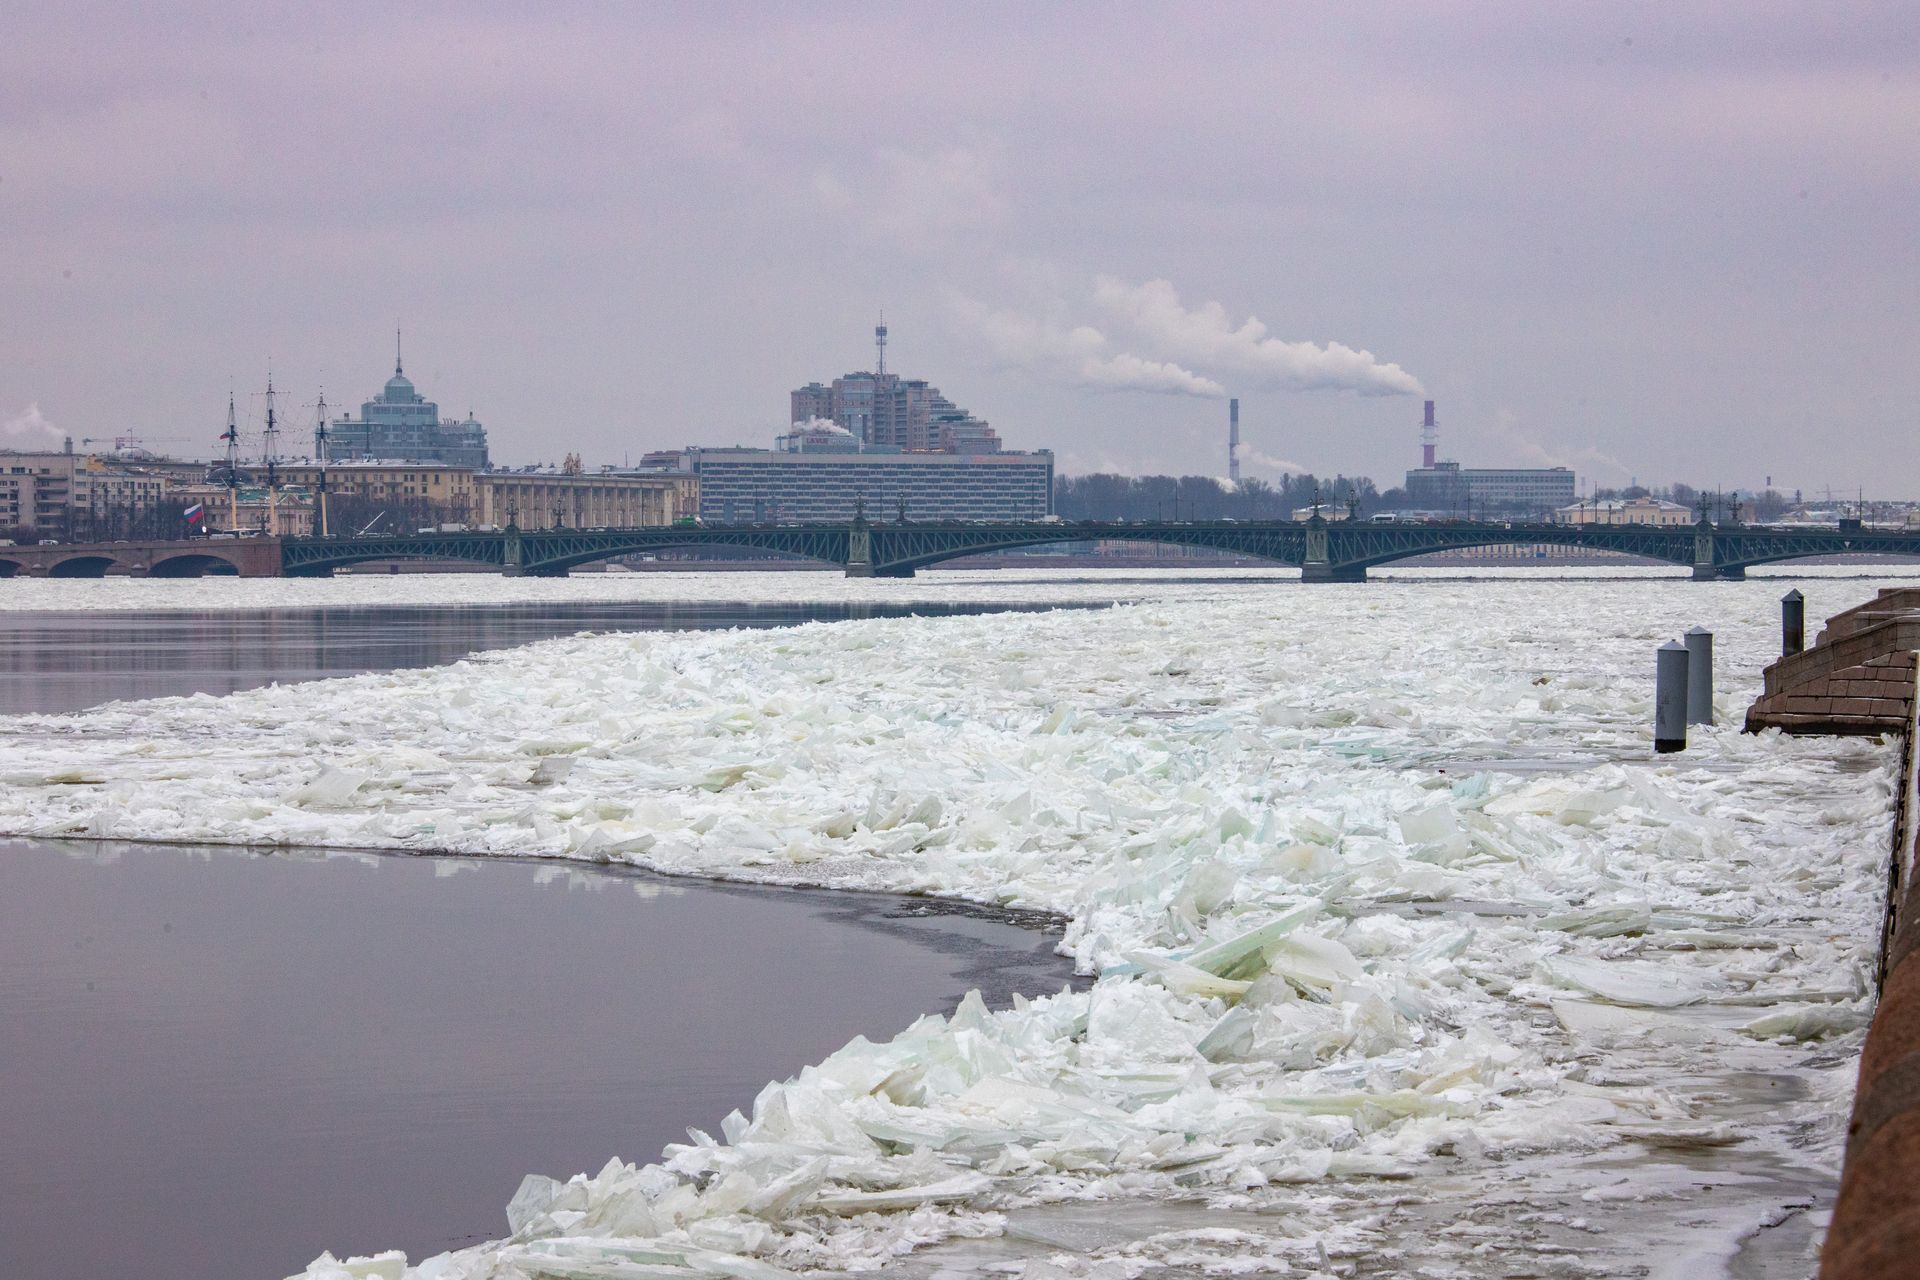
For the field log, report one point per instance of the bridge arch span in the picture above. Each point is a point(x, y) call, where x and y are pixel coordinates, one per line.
point(901, 549)
point(9, 568)
point(1740, 560)
point(1677, 550)
point(320, 557)
point(82, 567)
point(193, 564)
point(560, 564)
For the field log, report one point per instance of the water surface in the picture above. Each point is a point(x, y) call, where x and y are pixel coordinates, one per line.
point(219, 1063)
point(65, 661)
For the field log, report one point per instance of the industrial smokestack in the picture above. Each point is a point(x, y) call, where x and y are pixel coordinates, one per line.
point(1233, 440)
point(1429, 437)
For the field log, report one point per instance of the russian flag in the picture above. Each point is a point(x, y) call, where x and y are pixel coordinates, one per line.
point(194, 512)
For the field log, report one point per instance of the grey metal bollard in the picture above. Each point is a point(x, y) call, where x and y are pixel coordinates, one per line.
point(1793, 623)
point(1670, 698)
point(1699, 676)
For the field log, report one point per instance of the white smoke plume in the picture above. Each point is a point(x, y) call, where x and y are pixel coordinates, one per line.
point(1205, 336)
point(824, 425)
point(30, 430)
point(1180, 350)
point(1079, 353)
point(1523, 448)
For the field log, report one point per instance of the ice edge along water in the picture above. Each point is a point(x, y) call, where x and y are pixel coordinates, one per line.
point(1330, 946)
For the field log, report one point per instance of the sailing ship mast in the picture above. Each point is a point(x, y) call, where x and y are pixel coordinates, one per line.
point(320, 456)
point(232, 437)
point(268, 451)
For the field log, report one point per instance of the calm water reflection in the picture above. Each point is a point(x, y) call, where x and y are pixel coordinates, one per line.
point(218, 1064)
point(66, 661)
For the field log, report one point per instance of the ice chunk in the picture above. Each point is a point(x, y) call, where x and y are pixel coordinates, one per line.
point(949, 1191)
point(331, 787)
point(1222, 957)
point(380, 1266)
point(1631, 982)
point(1809, 1022)
point(1435, 824)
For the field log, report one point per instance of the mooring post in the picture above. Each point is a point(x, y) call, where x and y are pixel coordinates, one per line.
point(1699, 676)
point(1793, 623)
point(1670, 698)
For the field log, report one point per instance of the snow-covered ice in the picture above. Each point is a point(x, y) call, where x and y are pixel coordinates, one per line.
point(1382, 883)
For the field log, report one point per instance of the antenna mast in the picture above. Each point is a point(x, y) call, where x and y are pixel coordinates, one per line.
point(880, 347)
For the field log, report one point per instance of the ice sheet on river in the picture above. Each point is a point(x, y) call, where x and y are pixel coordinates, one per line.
point(1335, 949)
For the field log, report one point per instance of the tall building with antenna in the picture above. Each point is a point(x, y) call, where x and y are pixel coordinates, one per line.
point(400, 425)
point(880, 412)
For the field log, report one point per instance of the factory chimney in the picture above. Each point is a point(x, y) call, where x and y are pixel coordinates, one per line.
point(1429, 437)
point(1233, 440)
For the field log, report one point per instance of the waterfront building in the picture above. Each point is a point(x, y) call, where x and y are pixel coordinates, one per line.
point(544, 499)
point(883, 410)
point(793, 485)
point(401, 425)
point(411, 492)
point(77, 496)
point(1625, 511)
point(534, 498)
point(1449, 488)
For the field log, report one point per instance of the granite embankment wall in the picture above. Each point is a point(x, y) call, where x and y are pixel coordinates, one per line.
point(1859, 677)
point(1875, 1234)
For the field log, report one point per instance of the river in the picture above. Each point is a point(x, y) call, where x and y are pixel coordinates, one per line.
point(219, 1063)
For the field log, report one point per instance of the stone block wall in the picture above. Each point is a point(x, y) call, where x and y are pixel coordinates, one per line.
point(1859, 678)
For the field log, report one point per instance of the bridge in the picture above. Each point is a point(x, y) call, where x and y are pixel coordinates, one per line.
point(1323, 551)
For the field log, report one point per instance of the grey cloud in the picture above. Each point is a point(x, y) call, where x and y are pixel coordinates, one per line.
point(920, 200)
point(1692, 253)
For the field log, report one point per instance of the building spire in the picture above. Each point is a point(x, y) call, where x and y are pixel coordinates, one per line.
point(880, 345)
point(396, 352)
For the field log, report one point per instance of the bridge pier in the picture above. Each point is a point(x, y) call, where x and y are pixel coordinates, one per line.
point(1719, 573)
point(867, 569)
point(1324, 572)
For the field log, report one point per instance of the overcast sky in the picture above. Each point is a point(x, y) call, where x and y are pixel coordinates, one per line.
point(1659, 240)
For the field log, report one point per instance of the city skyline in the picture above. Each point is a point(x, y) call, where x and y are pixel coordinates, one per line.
point(1710, 275)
